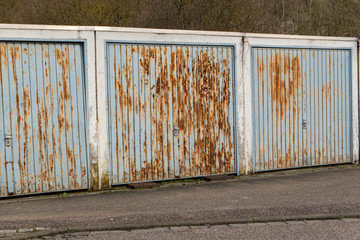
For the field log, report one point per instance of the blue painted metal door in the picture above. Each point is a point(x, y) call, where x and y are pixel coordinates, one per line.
point(302, 113)
point(170, 110)
point(42, 118)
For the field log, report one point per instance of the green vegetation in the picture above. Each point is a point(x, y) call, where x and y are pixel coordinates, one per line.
point(311, 17)
point(64, 194)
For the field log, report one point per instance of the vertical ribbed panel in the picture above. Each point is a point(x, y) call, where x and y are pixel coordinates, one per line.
point(171, 111)
point(43, 115)
point(302, 107)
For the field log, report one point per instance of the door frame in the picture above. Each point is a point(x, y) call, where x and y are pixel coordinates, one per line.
point(308, 132)
point(64, 34)
point(168, 44)
point(300, 42)
point(162, 37)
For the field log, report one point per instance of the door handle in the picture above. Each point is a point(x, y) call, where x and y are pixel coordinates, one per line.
point(176, 130)
point(304, 124)
point(8, 139)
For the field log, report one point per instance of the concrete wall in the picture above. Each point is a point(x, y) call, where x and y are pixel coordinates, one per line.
point(95, 39)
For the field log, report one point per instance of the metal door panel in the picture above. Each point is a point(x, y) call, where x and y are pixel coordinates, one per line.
point(43, 109)
point(3, 167)
point(7, 118)
point(48, 115)
point(175, 126)
point(162, 105)
point(302, 114)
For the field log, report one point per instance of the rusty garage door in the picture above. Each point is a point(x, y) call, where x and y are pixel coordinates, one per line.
point(170, 111)
point(42, 111)
point(302, 114)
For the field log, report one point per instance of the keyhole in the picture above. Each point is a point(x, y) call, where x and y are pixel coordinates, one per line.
point(7, 140)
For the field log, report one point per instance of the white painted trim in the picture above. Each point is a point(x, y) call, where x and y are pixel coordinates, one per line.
point(102, 134)
point(355, 100)
point(169, 38)
point(247, 109)
point(300, 43)
point(239, 120)
point(92, 105)
point(46, 27)
point(261, 36)
point(43, 35)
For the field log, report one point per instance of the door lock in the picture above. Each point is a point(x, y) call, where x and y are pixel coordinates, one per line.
point(176, 130)
point(304, 124)
point(8, 139)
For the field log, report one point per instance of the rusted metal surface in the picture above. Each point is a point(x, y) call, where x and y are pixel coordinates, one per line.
point(170, 111)
point(43, 118)
point(302, 107)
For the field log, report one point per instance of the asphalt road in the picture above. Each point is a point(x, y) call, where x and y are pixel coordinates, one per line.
point(321, 193)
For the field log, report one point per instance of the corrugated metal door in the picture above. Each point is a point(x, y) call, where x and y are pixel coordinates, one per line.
point(170, 111)
point(302, 114)
point(42, 118)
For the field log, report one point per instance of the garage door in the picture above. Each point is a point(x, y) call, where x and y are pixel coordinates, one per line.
point(302, 114)
point(42, 118)
point(171, 111)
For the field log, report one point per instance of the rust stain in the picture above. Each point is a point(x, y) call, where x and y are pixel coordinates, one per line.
point(284, 90)
point(27, 129)
point(46, 72)
point(31, 51)
point(38, 182)
point(61, 119)
point(14, 55)
point(128, 77)
point(145, 74)
point(160, 112)
point(65, 68)
point(3, 55)
point(42, 138)
point(117, 99)
point(58, 56)
point(145, 60)
point(180, 69)
point(281, 94)
point(195, 106)
point(17, 55)
point(69, 157)
point(68, 124)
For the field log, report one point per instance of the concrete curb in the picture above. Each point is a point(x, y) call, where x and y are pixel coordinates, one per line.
point(128, 227)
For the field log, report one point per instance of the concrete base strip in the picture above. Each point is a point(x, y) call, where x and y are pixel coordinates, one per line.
point(351, 219)
point(18, 232)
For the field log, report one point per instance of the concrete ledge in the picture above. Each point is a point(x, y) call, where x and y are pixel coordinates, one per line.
point(218, 178)
point(144, 185)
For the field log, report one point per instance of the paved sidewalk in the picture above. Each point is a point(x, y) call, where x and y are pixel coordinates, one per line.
point(320, 193)
point(347, 228)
